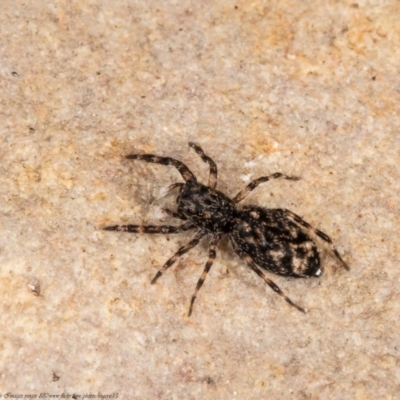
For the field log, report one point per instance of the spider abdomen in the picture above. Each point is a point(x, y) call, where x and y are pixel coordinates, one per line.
point(275, 243)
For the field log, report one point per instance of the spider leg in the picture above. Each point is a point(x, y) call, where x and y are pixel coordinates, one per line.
point(174, 214)
point(244, 256)
point(212, 180)
point(180, 252)
point(253, 184)
point(294, 217)
point(211, 257)
point(187, 175)
point(150, 228)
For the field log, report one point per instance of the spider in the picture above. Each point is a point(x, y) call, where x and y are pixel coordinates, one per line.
point(275, 240)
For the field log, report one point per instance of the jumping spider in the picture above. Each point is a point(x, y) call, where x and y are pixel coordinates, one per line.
point(272, 239)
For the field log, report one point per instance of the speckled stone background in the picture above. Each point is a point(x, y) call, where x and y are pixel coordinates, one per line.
point(308, 88)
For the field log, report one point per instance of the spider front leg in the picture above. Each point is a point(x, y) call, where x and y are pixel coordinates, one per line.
point(211, 257)
point(295, 218)
point(212, 180)
point(252, 185)
point(247, 259)
point(150, 228)
point(180, 252)
point(187, 175)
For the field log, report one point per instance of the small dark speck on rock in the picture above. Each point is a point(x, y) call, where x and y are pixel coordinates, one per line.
point(209, 380)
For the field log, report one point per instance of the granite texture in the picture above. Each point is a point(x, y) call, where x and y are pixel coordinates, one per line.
point(308, 88)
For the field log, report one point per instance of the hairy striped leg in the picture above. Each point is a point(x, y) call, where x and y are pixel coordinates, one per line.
point(211, 257)
point(252, 185)
point(212, 180)
point(180, 252)
point(187, 175)
point(300, 221)
point(150, 228)
point(247, 259)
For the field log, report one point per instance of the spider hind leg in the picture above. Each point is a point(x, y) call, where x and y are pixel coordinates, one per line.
point(247, 259)
point(300, 221)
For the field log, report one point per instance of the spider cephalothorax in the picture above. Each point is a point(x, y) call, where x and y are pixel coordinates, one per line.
point(273, 239)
